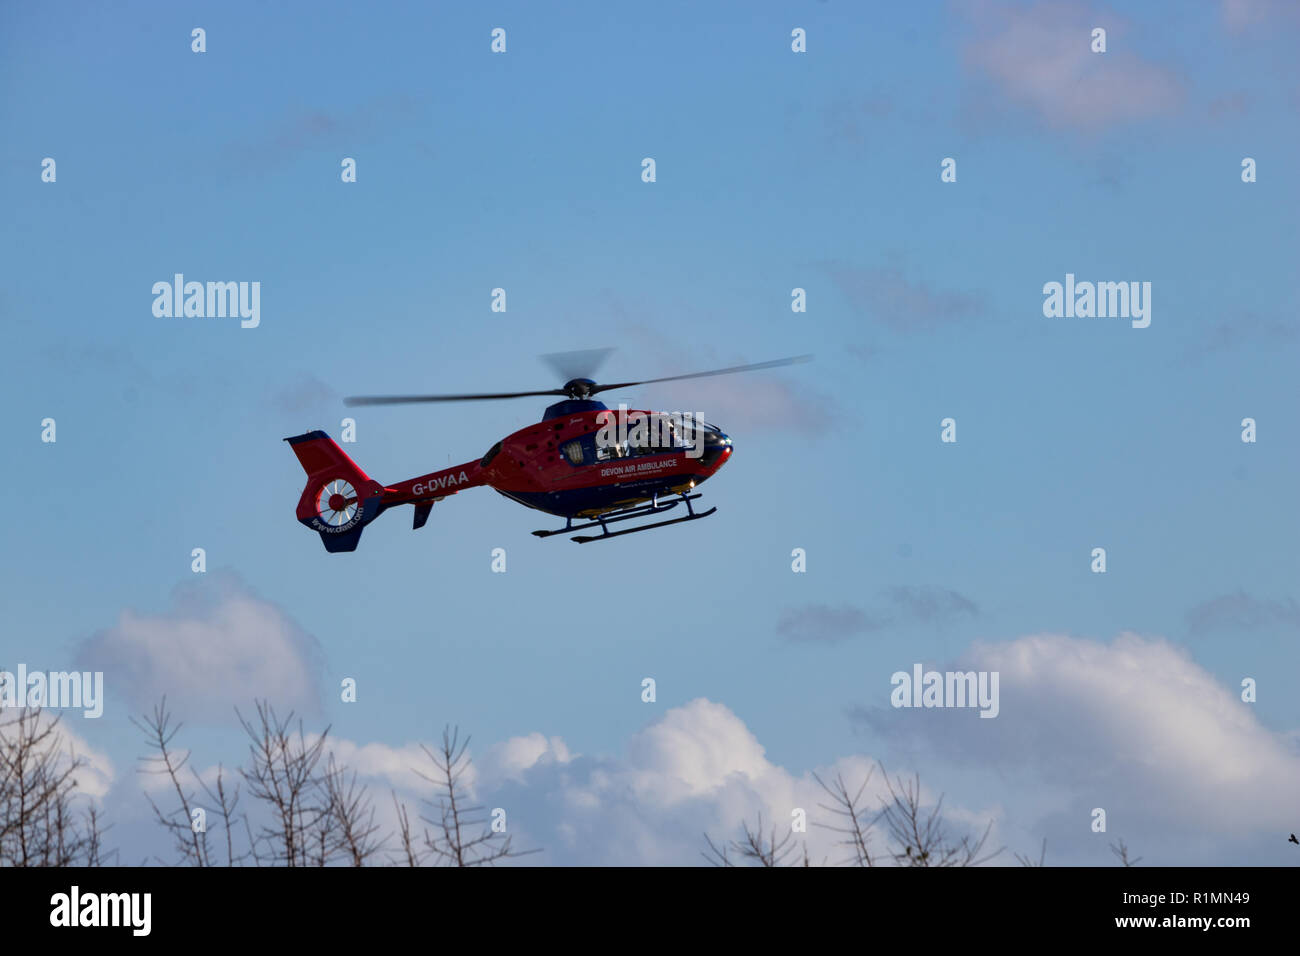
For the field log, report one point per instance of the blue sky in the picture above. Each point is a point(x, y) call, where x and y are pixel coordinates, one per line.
point(775, 170)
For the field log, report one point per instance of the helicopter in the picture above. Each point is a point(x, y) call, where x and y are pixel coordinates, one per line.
point(582, 461)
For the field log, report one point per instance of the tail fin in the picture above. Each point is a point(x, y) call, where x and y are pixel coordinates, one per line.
point(340, 499)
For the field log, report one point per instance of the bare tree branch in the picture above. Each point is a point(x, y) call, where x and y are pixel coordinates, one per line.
point(1120, 849)
point(1027, 860)
point(39, 823)
point(852, 825)
point(921, 838)
point(283, 776)
point(451, 841)
point(771, 850)
point(411, 855)
point(159, 732)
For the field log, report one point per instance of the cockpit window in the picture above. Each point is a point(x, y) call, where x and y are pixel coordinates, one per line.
point(655, 434)
point(658, 434)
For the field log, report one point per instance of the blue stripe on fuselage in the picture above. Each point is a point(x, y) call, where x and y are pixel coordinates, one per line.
point(568, 504)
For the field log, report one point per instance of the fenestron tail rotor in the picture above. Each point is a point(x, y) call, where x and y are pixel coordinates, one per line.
point(336, 503)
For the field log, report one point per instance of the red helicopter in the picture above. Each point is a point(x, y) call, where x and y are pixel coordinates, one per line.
point(582, 460)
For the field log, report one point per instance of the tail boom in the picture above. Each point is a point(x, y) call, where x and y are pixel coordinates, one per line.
point(436, 485)
point(340, 499)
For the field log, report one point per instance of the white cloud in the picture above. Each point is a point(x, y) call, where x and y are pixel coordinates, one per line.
point(1040, 57)
point(512, 759)
point(1156, 723)
point(397, 768)
point(96, 775)
point(696, 769)
point(1136, 727)
point(1185, 770)
point(219, 647)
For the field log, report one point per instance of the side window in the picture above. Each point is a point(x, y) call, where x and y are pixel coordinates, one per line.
point(572, 452)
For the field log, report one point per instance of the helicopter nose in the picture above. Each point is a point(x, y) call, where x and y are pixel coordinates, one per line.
point(717, 448)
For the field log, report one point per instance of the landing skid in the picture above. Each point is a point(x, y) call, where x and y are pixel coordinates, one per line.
point(641, 511)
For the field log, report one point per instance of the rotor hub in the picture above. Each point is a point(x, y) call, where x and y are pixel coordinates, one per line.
point(579, 388)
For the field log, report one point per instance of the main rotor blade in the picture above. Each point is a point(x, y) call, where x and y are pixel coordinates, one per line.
point(775, 363)
point(355, 400)
point(581, 364)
